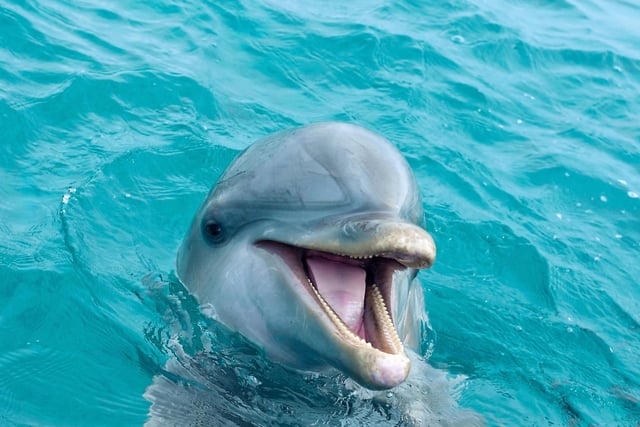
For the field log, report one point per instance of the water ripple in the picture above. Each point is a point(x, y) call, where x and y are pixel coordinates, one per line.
point(519, 119)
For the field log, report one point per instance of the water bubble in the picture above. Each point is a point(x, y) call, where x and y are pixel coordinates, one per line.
point(519, 121)
point(603, 198)
point(252, 381)
point(633, 194)
point(67, 196)
point(618, 236)
point(622, 181)
point(559, 215)
point(458, 39)
point(569, 329)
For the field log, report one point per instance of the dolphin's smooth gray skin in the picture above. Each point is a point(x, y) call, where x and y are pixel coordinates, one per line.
point(308, 245)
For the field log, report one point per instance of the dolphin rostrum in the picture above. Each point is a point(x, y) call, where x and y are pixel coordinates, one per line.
point(309, 245)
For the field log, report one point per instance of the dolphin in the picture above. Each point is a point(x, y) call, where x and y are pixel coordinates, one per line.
point(309, 245)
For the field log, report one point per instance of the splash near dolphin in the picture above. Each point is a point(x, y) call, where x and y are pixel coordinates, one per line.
point(309, 245)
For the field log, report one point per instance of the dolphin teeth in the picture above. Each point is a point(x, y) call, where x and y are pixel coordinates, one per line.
point(359, 256)
point(332, 315)
point(337, 321)
point(391, 340)
point(382, 317)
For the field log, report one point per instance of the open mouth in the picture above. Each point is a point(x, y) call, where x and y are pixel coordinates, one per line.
point(353, 291)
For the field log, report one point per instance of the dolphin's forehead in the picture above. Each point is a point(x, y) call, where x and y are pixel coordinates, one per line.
point(325, 167)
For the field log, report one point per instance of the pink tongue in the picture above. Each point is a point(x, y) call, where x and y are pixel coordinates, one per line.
point(343, 287)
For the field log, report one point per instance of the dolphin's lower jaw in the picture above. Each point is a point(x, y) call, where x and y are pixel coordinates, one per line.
point(354, 293)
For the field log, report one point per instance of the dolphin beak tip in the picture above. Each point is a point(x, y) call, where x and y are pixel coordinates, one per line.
point(388, 371)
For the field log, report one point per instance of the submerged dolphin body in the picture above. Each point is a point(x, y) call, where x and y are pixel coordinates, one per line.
point(309, 245)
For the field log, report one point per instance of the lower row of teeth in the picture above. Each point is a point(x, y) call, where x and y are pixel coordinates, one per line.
point(380, 312)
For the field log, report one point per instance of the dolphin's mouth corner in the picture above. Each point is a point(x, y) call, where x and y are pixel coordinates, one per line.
point(354, 292)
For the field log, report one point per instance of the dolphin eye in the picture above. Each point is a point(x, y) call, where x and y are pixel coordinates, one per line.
point(214, 231)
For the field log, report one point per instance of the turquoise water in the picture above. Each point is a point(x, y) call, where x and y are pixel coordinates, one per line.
point(521, 122)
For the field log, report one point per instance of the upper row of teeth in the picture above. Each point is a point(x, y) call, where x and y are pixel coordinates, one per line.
point(359, 257)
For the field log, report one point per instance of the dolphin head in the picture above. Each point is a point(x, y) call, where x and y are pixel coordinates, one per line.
point(308, 245)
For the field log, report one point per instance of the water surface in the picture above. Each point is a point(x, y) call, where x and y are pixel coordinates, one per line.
point(520, 122)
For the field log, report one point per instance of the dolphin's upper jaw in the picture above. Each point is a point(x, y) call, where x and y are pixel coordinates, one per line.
point(355, 293)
